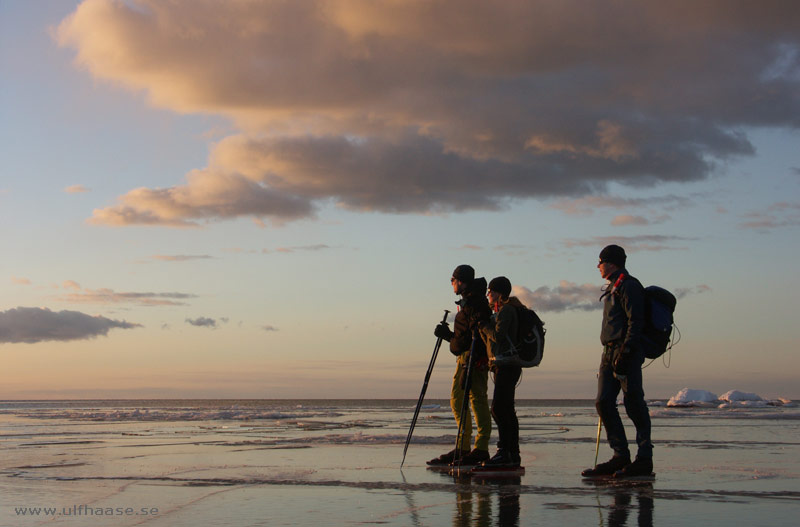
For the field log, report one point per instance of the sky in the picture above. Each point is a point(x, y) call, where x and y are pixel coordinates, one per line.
point(267, 199)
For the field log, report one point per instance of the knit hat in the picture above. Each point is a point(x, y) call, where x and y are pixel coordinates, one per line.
point(501, 285)
point(613, 254)
point(464, 273)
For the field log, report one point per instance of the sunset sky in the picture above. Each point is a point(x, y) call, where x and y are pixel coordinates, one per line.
point(253, 199)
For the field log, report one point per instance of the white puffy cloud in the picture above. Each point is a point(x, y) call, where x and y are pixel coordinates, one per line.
point(33, 324)
point(440, 105)
point(566, 296)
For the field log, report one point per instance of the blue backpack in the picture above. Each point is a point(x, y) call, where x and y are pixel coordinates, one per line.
point(659, 308)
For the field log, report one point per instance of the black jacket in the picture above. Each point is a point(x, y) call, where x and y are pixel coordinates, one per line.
point(473, 308)
point(623, 312)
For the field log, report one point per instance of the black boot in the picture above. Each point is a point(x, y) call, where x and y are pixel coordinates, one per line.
point(446, 459)
point(503, 458)
point(641, 466)
point(608, 468)
point(476, 457)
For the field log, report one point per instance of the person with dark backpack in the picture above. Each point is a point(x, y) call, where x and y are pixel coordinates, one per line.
point(624, 312)
point(500, 334)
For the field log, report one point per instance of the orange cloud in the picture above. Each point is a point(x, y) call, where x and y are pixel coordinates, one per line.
point(379, 105)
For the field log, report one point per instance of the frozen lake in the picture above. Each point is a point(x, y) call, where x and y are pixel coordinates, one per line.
point(267, 463)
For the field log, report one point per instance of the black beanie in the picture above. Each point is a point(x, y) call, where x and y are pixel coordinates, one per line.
point(501, 285)
point(613, 254)
point(464, 273)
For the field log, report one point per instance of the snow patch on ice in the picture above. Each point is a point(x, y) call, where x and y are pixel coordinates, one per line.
point(687, 397)
point(737, 396)
point(730, 399)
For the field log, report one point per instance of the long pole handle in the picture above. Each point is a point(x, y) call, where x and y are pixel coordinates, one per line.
point(424, 389)
point(597, 446)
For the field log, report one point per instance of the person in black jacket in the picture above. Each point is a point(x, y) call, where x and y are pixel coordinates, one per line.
point(621, 368)
point(473, 308)
point(500, 335)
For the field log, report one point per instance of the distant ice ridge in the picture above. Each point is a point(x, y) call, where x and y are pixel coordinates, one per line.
point(730, 399)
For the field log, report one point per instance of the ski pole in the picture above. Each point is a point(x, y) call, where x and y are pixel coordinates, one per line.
point(424, 389)
point(597, 447)
point(465, 402)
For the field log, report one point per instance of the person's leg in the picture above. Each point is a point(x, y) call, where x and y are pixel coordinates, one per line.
point(503, 409)
point(608, 388)
point(456, 402)
point(636, 408)
point(479, 398)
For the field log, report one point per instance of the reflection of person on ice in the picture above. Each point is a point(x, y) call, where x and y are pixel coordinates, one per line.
point(499, 334)
point(472, 309)
point(621, 368)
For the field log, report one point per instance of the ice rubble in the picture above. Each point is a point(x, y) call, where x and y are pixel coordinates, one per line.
point(730, 399)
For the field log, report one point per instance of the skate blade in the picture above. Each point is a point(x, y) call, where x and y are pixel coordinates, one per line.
point(610, 478)
point(497, 472)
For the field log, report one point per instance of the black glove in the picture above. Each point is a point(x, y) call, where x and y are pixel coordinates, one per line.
point(442, 331)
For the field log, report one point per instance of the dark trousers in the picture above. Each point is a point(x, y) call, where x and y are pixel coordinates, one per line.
point(608, 388)
point(505, 384)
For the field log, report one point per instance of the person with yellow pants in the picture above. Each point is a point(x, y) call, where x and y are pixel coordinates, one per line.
point(473, 308)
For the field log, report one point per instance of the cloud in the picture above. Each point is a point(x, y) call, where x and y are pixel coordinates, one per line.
point(71, 284)
point(586, 206)
point(202, 322)
point(567, 296)
point(33, 324)
point(627, 219)
point(269, 328)
point(109, 296)
point(180, 257)
point(682, 292)
point(286, 250)
point(777, 215)
point(644, 242)
point(402, 107)
point(20, 280)
point(76, 189)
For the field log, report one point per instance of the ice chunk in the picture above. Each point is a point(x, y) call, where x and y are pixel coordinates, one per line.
point(737, 396)
point(687, 397)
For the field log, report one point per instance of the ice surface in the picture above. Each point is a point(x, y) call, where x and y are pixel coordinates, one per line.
point(329, 464)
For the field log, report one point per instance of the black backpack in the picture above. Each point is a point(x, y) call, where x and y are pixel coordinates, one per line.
point(659, 308)
point(528, 349)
